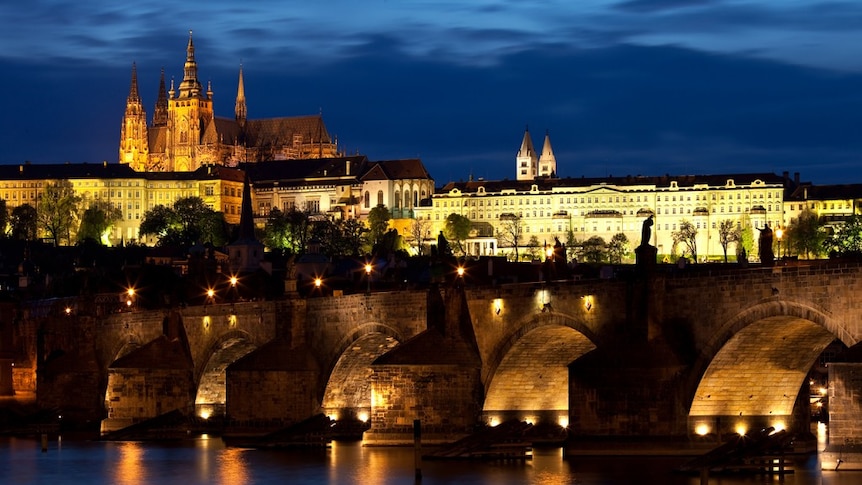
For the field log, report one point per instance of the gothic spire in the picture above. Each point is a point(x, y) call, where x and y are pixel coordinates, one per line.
point(160, 114)
point(134, 96)
point(241, 110)
point(191, 86)
point(547, 162)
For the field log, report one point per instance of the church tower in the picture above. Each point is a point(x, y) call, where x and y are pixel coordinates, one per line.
point(189, 110)
point(160, 115)
point(547, 162)
point(134, 144)
point(527, 162)
point(240, 110)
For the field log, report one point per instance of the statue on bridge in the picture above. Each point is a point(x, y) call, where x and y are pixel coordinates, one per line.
point(767, 257)
point(645, 254)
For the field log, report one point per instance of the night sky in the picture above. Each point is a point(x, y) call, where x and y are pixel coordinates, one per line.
point(625, 87)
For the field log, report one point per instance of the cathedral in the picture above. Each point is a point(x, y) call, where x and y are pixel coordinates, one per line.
point(184, 133)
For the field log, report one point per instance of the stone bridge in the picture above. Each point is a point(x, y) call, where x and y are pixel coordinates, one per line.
point(670, 353)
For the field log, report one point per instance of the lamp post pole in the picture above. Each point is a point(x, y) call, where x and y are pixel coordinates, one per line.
point(368, 278)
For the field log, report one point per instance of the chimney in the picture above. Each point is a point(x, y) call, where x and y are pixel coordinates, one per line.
point(796, 178)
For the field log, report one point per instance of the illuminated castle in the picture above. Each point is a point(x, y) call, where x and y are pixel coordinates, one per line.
point(185, 133)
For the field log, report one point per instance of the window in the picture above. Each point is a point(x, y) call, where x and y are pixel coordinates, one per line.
point(367, 199)
point(379, 197)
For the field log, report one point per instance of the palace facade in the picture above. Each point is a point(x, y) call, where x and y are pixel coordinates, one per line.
point(184, 133)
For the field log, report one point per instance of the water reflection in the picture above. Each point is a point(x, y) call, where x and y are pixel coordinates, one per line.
point(130, 469)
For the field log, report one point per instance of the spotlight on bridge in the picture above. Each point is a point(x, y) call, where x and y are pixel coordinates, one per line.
point(498, 305)
point(563, 421)
point(493, 421)
point(68, 311)
point(741, 429)
point(363, 416)
point(318, 282)
point(588, 302)
point(778, 426)
point(702, 429)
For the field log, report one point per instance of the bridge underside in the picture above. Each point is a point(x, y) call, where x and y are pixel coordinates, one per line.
point(211, 394)
point(755, 379)
point(531, 382)
point(348, 392)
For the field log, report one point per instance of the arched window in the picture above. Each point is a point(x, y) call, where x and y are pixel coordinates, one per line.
point(367, 200)
point(397, 199)
point(379, 197)
point(415, 198)
point(407, 199)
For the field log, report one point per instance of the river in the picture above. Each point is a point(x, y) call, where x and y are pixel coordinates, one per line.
point(206, 460)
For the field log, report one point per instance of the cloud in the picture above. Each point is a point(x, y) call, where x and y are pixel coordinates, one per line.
point(652, 6)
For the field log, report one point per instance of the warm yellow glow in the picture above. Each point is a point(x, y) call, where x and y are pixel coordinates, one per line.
point(231, 320)
point(128, 303)
point(233, 280)
point(498, 305)
point(530, 419)
point(741, 429)
point(588, 302)
point(778, 233)
point(206, 321)
point(779, 426)
point(332, 417)
point(549, 252)
point(130, 292)
point(368, 269)
point(205, 414)
point(460, 271)
point(363, 416)
point(210, 293)
point(819, 404)
point(318, 282)
point(563, 421)
point(493, 421)
point(822, 391)
point(702, 429)
point(68, 310)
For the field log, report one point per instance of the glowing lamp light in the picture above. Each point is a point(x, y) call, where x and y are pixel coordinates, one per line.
point(68, 310)
point(128, 303)
point(530, 419)
point(317, 282)
point(367, 269)
point(460, 271)
point(588, 303)
point(332, 417)
point(130, 292)
point(741, 429)
point(701, 429)
point(205, 414)
point(494, 421)
point(233, 280)
point(363, 416)
point(563, 421)
point(498, 305)
point(779, 426)
point(210, 293)
point(822, 391)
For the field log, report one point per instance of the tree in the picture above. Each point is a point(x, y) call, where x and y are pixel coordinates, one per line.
point(510, 232)
point(58, 210)
point(594, 250)
point(618, 248)
point(727, 233)
point(378, 223)
point(419, 230)
point(190, 221)
point(687, 236)
point(4, 219)
point(847, 239)
point(806, 235)
point(457, 229)
point(338, 238)
point(23, 223)
point(287, 231)
point(97, 221)
point(572, 245)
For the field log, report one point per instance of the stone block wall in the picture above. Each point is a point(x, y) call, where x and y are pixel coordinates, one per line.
point(446, 399)
point(139, 394)
point(845, 404)
point(271, 396)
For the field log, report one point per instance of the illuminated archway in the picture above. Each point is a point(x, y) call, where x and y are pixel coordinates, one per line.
point(211, 392)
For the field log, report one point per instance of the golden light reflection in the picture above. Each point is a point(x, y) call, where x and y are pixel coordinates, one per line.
point(232, 466)
point(130, 469)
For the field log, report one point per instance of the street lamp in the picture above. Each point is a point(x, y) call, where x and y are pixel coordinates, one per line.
point(778, 233)
point(233, 282)
point(368, 269)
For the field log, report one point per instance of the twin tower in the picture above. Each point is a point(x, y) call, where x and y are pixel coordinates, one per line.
point(530, 166)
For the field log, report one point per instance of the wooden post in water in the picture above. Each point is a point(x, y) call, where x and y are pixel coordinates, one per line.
point(44, 442)
point(417, 448)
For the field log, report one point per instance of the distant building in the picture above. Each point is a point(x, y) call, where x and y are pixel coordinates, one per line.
point(833, 204)
point(185, 134)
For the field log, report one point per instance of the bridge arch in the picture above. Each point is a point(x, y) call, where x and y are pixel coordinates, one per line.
point(346, 384)
point(527, 376)
point(210, 396)
point(751, 373)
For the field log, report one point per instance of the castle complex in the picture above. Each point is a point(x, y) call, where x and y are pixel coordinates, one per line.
point(185, 134)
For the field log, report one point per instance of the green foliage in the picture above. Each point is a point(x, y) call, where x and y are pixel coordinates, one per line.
point(4, 219)
point(618, 248)
point(687, 237)
point(457, 229)
point(378, 223)
point(23, 223)
point(287, 231)
point(190, 221)
point(97, 220)
point(57, 211)
point(847, 239)
point(572, 245)
point(806, 235)
point(338, 238)
point(534, 249)
point(594, 250)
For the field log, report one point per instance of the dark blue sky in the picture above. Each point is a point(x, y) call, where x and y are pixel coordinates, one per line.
point(624, 86)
